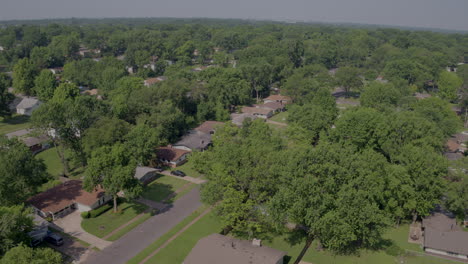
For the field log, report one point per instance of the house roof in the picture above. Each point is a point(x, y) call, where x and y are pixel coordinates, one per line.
point(27, 102)
point(453, 156)
point(271, 105)
point(170, 153)
point(278, 97)
point(194, 140)
point(208, 127)
point(255, 110)
point(441, 232)
point(452, 145)
point(32, 141)
point(63, 195)
point(217, 248)
point(141, 171)
point(461, 137)
point(422, 95)
point(152, 81)
point(238, 119)
point(91, 92)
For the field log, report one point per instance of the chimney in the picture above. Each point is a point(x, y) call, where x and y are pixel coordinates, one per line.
point(256, 242)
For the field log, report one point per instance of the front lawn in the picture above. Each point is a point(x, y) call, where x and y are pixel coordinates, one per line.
point(109, 221)
point(188, 169)
point(54, 164)
point(180, 247)
point(162, 187)
point(17, 122)
point(280, 117)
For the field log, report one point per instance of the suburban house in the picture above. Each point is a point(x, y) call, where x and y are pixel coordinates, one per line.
point(2, 48)
point(273, 106)
point(258, 112)
point(27, 106)
point(238, 119)
point(193, 141)
point(56, 70)
point(217, 248)
point(278, 98)
point(171, 156)
point(145, 174)
point(83, 51)
point(36, 144)
point(208, 127)
point(421, 96)
point(442, 236)
point(63, 199)
point(151, 81)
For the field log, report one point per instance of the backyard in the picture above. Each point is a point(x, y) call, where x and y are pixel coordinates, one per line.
point(164, 186)
point(281, 117)
point(109, 221)
point(14, 123)
point(188, 169)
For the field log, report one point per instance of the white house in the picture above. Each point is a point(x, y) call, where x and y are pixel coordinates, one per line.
point(27, 106)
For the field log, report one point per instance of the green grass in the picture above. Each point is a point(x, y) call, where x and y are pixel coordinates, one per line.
point(156, 244)
point(178, 249)
point(188, 169)
point(162, 187)
point(109, 221)
point(83, 243)
point(280, 117)
point(54, 164)
point(126, 229)
point(14, 123)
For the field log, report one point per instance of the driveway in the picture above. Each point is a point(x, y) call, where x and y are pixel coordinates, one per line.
point(146, 233)
point(76, 251)
point(71, 224)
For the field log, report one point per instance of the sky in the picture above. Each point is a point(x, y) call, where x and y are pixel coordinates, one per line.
point(443, 14)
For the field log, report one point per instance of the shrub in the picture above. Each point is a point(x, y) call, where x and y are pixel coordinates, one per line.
point(97, 212)
point(85, 215)
point(394, 250)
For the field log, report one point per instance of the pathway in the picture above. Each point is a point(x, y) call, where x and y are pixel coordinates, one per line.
point(185, 178)
point(146, 233)
point(175, 236)
point(71, 224)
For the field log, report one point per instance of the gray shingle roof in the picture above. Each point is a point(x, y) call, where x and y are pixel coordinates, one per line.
point(195, 140)
point(27, 103)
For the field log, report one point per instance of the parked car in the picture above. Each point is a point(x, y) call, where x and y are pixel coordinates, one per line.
point(178, 173)
point(54, 239)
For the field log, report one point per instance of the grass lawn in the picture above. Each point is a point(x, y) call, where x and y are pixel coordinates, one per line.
point(126, 229)
point(156, 244)
point(280, 117)
point(188, 169)
point(178, 249)
point(109, 221)
point(162, 187)
point(14, 123)
point(54, 164)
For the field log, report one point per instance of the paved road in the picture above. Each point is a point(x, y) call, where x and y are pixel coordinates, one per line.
point(143, 235)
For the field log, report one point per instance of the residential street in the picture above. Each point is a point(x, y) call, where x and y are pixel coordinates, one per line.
point(139, 238)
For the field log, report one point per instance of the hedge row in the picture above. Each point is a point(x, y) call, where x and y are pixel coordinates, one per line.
point(96, 212)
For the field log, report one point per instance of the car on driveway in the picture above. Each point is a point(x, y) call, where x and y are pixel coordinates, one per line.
point(54, 238)
point(178, 173)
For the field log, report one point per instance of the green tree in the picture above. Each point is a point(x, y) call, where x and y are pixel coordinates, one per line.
point(24, 73)
point(112, 168)
point(20, 173)
point(104, 132)
point(380, 95)
point(14, 227)
point(5, 97)
point(448, 84)
point(141, 141)
point(65, 91)
point(44, 85)
point(457, 191)
point(438, 111)
point(26, 255)
point(349, 79)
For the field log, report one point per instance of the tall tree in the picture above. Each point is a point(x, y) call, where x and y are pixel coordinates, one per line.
point(113, 169)
point(26, 255)
point(448, 84)
point(349, 79)
point(20, 172)
point(14, 227)
point(44, 85)
point(5, 97)
point(24, 73)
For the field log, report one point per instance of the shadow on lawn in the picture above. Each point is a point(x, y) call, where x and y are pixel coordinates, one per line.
point(159, 192)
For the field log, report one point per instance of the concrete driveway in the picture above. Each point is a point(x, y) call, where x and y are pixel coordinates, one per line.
point(146, 233)
point(71, 224)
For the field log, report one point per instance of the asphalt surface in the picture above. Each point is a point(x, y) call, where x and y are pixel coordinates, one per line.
point(143, 235)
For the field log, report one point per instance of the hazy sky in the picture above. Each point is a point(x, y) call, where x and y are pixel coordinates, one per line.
point(447, 14)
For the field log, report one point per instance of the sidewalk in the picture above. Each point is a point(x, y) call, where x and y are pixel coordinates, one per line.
point(185, 178)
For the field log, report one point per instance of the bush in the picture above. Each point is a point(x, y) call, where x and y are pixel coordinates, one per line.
point(97, 212)
point(394, 250)
point(85, 215)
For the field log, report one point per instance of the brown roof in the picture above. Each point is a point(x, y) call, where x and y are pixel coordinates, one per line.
point(217, 248)
point(170, 153)
point(278, 97)
point(152, 81)
point(442, 233)
point(32, 141)
point(255, 110)
point(63, 195)
point(271, 105)
point(208, 126)
point(452, 145)
point(91, 92)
